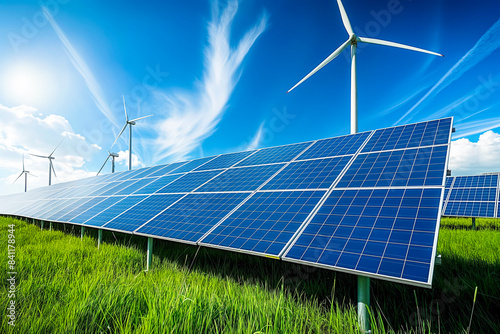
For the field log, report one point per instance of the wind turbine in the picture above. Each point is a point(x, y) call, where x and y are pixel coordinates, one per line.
point(51, 166)
point(113, 155)
point(353, 41)
point(25, 172)
point(129, 123)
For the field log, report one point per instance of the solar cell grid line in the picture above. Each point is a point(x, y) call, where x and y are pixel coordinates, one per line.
point(136, 185)
point(225, 160)
point(264, 223)
point(381, 233)
point(114, 210)
point(116, 188)
point(344, 145)
point(188, 182)
point(275, 154)
point(127, 175)
point(104, 188)
point(66, 206)
point(406, 167)
point(411, 135)
point(308, 174)
point(497, 204)
point(85, 204)
point(190, 217)
point(447, 191)
point(168, 168)
point(241, 178)
point(156, 185)
point(142, 212)
point(38, 205)
point(192, 165)
point(90, 212)
point(50, 206)
point(147, 172)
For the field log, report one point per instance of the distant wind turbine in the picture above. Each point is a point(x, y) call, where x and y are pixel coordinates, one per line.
point(129, 123)
point(113, 155)
point(353, 41)
point(25, 172)
point(51, 166)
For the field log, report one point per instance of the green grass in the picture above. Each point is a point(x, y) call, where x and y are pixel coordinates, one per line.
point(66, 285)
point(466, 223)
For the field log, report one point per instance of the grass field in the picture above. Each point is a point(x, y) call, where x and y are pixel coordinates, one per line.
point(66, 285)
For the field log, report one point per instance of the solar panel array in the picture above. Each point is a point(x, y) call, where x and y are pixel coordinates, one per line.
point(367, 203)
point(472, 196)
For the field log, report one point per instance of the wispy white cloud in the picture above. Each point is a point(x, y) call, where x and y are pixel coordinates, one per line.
point(470, 158)
point(488, 43)
point(256, 140)
point(25, 131)
point(122, 159)
point(193, 116)
point(83, 69)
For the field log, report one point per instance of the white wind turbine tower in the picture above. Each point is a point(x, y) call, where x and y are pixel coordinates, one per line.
point(113, 156)
point(353, 41)
point(51, 165)
point(129, 123)
point(25, 172)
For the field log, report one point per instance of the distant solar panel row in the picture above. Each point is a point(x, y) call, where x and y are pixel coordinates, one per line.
point(472, 196)
point(367, 203)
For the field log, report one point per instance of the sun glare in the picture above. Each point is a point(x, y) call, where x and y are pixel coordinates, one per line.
point(26, 84)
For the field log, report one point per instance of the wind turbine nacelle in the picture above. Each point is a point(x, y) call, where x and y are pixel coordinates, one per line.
point(131, 122)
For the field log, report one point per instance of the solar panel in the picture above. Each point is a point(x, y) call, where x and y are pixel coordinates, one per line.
point(188, 182)
point(135, 216)
point(274, 154)
point(265, 223)
point(113, 210)
point(335, 146)
point(309, 174)
point(225, 160)
point(241, 179)
point(192, 216)
point(367, 204)
point(472, 196)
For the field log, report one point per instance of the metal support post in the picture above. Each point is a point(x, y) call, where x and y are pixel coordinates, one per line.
point(149, 256)
point(474, 223)
point(364, 304)
point(41, 225)
point(99, 238)
point(50, 226)
point(83, 231)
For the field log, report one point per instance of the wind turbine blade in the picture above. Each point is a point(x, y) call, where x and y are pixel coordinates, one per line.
point(345, 19)
point(396, 45)
point(56, 147)
point(104, 164)
point(52, 166)
point(17, 178)
point(32, 174)
point(125, 108)
point(40, 156)
point(326, 61)
point(123, 129)
point(134, 120)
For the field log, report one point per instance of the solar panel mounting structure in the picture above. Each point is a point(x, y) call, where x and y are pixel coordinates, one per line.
point(367, 204)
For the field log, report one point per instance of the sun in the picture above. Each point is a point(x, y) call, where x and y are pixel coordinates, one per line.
point(26, 83)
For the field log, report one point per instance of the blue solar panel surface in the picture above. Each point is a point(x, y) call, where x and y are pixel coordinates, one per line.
point(472, 196)
point(192, 216)
point(367, 203)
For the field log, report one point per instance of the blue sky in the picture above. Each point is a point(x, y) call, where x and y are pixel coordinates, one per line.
point(215, 76)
